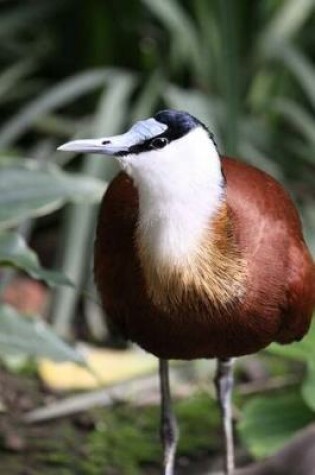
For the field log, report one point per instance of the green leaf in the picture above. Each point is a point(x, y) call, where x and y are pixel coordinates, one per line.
point(229, 67)
point(309, 224)
point(268, 423)
point(186, 43)
point(301, 67)
point(14, 252)
point(57, 96)
point(298, 117)
point(287, 21)
point(251, 153)
point(148, 97)
point(10, 78)
point(27, 191)
point(22, 335)
point(308, 387)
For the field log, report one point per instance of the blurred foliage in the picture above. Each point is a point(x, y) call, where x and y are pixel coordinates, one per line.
point(31, 337)
point(303, 352)
point(71, 68)
point(15, 253)
point(28, 191)
point(268, 422)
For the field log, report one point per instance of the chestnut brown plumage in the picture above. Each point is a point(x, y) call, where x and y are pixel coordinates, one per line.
point(197, 256)
point(260, 225)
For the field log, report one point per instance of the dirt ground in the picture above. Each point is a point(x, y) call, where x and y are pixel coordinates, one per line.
point(79, 445)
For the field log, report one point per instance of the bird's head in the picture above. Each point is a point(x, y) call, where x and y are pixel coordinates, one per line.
point(172, 143)
point(173, 161)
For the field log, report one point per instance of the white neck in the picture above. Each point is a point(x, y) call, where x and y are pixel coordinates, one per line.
point(180, 188)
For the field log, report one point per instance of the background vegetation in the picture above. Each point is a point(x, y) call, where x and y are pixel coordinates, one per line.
point(72, 68)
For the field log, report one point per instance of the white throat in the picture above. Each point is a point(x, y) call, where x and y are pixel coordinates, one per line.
point(180, 188)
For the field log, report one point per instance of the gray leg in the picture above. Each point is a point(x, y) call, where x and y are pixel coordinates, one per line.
point(224, 386)
point(169, 431)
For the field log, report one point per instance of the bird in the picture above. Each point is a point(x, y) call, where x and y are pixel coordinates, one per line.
point(197, 255)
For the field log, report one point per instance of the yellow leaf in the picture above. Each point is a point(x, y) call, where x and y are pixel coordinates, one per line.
point(108, 366)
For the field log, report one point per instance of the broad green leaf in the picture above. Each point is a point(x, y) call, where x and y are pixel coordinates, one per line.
point(308, 387)
point(31, 336)
point(269, 422)
point(14, 252)
point(29, 191)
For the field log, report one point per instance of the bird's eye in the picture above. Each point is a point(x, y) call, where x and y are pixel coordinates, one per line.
point(158, 142)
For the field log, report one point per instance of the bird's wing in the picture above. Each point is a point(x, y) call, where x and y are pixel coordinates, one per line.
point(270, 232)
point(116, 268)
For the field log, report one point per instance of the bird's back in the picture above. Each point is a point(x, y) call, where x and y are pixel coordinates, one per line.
point(280, 293)
point(282, 271)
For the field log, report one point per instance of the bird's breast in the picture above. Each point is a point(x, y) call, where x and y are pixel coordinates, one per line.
point(204, 269)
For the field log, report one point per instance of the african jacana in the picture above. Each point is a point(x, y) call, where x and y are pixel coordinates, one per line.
point(197, 255)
